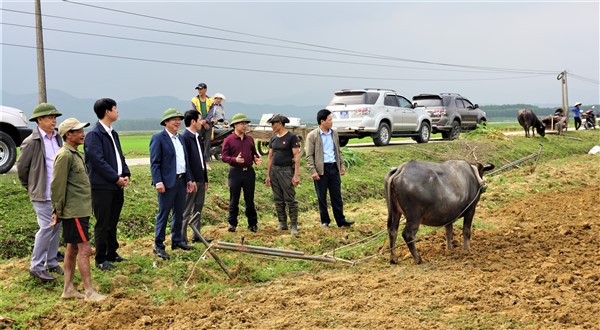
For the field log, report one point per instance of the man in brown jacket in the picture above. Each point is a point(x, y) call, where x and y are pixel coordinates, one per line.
point(35, 167)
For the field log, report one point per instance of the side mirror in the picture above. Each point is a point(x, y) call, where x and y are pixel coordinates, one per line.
point(476, 106)
point(415, 104)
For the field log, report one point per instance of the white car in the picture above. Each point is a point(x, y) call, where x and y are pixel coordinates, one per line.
point(13, 130)
point(378, 113)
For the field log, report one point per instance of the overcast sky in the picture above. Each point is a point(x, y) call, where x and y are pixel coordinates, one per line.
point(490, 52)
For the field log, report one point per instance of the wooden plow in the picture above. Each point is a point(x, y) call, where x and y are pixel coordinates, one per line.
point(518, 161)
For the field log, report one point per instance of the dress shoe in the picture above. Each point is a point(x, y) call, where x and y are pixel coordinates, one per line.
point(345, 223)
point(56, 269)
point(42, 275)
point(324, 224)
point(231, 228)
point(161, 253)
point(253, 229)
point(118, 258)
point(105, 266)
point(207, 239)
point(182, 245)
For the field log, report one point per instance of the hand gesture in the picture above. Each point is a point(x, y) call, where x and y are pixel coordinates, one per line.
point(239, 159)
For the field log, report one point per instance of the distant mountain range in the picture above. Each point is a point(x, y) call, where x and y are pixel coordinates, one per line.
point(147, 109)
point(144, 113)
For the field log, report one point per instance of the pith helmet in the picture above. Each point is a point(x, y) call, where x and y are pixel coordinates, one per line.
point(278, 118)
point(238, 118)
point(170, 113)
point(44, 109)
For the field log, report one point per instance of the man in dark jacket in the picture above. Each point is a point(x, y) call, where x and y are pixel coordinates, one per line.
point(194, 201)
point(172, 178)
point(108, 174)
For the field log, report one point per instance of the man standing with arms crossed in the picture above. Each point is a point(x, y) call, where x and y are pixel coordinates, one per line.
point(35, 167)
point(108, 174)
point(171, 175)
point(202, 104)
point(194, 201)
point(325, 163)
point(71, 193)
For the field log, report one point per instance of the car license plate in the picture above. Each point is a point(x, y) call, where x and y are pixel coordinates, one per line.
point(343, 114)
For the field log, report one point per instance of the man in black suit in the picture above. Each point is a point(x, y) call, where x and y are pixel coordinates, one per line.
point(108, 174)
point(171, 176)
point(194, 201)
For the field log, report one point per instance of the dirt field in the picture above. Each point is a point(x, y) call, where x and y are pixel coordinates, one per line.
point(536, 267)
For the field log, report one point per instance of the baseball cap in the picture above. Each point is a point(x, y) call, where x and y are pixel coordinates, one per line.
point(70, 124)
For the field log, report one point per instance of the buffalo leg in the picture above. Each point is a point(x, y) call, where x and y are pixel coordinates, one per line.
point(409, 233)
point(467, 222)
point(449, 235)
point(393, 224)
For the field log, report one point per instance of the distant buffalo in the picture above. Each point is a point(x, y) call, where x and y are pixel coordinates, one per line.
point(528, 119)
point(433, 194)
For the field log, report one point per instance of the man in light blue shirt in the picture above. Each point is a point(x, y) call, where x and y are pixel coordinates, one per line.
point(326, 163)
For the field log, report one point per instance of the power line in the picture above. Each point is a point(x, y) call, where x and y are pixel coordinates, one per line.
point(346, 52)
point(582, 78)
point(240, 51)
point(258, 70)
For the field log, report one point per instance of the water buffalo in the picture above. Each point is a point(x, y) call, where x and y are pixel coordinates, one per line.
point(433, 194)
point(528, 119)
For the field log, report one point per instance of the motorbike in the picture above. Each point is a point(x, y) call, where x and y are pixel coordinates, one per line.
point(589, 119)
point(221, 130)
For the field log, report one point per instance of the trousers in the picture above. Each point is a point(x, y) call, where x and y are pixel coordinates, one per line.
point(107, 205)
point(238, 180)
point(47, 238)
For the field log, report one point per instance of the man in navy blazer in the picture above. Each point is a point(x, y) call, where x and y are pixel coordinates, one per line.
point(194, 201)
point(172, 177)
point(108, 174)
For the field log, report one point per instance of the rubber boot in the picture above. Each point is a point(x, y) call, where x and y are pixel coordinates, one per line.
point(294, 221)
point(282, 217)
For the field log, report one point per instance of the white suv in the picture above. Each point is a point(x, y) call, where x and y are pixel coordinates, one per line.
point(13, 130)
point(378, 113)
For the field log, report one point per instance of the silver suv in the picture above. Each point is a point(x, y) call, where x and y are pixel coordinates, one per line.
point(450, 113)
point(378, 113)
point(13, 130)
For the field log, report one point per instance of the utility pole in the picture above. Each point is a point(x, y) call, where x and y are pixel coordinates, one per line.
point(41, 67)
point(565, 93)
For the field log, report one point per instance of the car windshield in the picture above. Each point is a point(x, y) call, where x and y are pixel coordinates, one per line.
point(431, 101)
point(428, 102)
point(351, 98)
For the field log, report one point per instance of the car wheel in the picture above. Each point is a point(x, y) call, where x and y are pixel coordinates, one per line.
point(262, 147)
point(482, 122)
point(8, 152)
point(454, 133)
point(344, 141)
point(383, 135)
point(424, 134)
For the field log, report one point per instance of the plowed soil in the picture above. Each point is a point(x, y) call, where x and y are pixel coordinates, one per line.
point(535, 265)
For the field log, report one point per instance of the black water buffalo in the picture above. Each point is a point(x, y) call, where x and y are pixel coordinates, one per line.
point(433, 194)
point(528, 119)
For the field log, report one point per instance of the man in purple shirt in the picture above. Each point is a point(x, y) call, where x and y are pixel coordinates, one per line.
point(240, 153)
point(35, 167)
